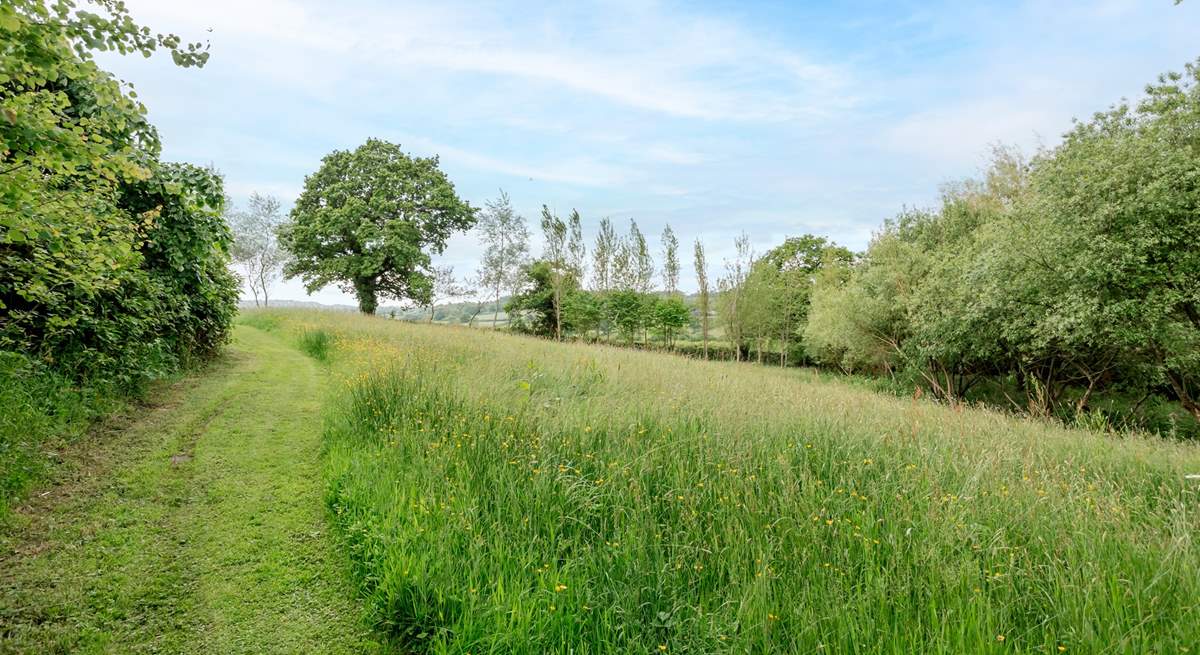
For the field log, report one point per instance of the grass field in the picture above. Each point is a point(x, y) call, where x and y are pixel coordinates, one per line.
point(193, 527)
point(503, 494)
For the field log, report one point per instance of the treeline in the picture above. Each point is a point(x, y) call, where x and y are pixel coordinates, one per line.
point(1047, 283)
point(552, 300)
point(113, 264)
point(1072, 273)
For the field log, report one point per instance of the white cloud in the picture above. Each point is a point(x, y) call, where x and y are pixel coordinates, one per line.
point(958, 134)
point(667, 153)
point(662, 61)
point(579, 171)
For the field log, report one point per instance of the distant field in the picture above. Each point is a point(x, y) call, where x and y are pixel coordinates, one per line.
point(505, 494)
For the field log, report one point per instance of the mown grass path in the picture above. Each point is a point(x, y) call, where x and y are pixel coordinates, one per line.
point(199, 528)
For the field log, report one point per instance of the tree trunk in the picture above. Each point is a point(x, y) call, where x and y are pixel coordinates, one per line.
point(364, 289)
point(262, 283)
point(1180, 386)
point(496, 309)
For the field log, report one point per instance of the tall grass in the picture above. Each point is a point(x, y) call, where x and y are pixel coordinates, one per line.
point(40, 411)
point(316, 343)
point(500, 494)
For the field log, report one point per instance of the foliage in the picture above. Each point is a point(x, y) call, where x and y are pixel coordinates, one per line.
point(731, 290)
point(602, 256)
point(113, 265)
point(641, 268)
point(702, 307)
point(776, 293)
point(583, 312)
point(445, 287)
point(368, 219)
point(627, 311)
point(255, 246)
point(535, 310)
point(670, 270)
point(1068, 276)
point(669, 316)
point(560, 273)
point(506, 247)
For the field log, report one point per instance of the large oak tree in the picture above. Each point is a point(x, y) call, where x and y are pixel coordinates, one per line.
point(368, 221)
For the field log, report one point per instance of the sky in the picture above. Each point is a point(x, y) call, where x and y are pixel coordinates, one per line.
point(770, 118)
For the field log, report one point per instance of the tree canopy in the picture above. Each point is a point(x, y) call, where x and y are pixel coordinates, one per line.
point(368, 221)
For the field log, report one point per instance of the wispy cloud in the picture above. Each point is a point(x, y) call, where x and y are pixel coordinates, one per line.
point(776, 118)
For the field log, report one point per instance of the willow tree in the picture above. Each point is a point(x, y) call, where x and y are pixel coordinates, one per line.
point(369, 219)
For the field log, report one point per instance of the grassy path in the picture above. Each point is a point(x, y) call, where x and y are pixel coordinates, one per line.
point(200, 528)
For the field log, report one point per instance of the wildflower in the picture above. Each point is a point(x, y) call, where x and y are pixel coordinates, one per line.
point(772, 617)
point(560, 587)
point(662, 648)
point(1000, 638)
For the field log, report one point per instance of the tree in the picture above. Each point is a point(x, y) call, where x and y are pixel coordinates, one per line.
point(445, 287)
point(368, 220)
point(506, 248)
point(778, 288)
point(602, 256)
point(626, 309)
point(731, 289)
point(255, 247)
point(670, 270)
point(623, 273)
point(536, 309)
point(669, 315)
point(576, 248)
point(1117, 209)
point(643, 266)
point(582, 312)
point(702, 305)
point(554, 230)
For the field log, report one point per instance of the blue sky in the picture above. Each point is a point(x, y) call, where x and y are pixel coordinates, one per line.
point(774, 118)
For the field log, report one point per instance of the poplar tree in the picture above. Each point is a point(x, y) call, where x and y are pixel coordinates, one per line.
point(642, 268)
point(702, 279)
point(576, 248)
point(670, 270)
point(555, 256)
point(602, 256)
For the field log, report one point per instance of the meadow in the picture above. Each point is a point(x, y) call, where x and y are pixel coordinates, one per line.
point(505, 494)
